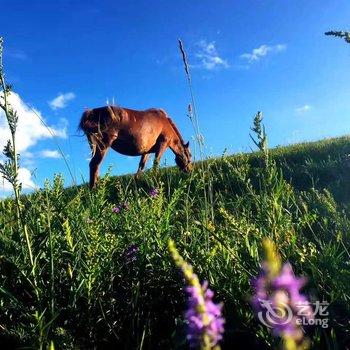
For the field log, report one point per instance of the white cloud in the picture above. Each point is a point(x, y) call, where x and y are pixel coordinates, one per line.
point(48, 153)
point(257, 54)
point(209, 57)
point(303, 109)
point(61, 100)
point(30, 131)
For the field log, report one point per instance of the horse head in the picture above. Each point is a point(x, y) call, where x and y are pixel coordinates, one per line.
point(184, 159)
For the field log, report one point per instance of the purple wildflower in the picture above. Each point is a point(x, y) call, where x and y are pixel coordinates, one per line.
point(131, 253)
point(291, 284)
point(117, 209)
point(123, 206)
point(210, 323)
point(154, 192)
point(204, 317)
point(277, 300)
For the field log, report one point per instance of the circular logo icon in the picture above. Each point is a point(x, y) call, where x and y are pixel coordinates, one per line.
point(272, 315)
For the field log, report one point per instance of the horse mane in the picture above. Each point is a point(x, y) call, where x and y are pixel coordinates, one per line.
point(115, 113)
point(177, 132)
point(92, 119)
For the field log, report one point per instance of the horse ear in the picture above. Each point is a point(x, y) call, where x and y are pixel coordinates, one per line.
point(187, 144)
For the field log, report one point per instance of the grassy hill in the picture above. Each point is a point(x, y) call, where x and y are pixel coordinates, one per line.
point(85, 291)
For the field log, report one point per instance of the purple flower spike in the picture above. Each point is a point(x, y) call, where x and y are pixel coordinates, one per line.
point(203, 316)
point(291, 284)
point(209, 322)
point(154, 192)
point(131, 253)
point(278, 302)
point(123, 206)
point(116, 209)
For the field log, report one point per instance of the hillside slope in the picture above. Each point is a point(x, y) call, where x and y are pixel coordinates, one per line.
point(319, 164)
point(102, 275)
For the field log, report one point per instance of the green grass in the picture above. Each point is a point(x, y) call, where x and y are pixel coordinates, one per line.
point(82, 293)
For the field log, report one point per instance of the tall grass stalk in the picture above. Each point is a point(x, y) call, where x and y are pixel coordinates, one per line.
point(10, 168)
point(192, 113)
point(192, 109)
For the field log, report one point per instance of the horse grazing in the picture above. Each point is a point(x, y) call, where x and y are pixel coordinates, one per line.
point(132, 133)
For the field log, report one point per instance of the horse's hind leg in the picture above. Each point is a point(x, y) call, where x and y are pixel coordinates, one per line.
point(95, 164)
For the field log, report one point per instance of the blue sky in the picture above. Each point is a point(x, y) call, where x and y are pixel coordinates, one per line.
point(270, 55)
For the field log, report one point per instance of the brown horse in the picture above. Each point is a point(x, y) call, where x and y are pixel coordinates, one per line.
point(132, 133)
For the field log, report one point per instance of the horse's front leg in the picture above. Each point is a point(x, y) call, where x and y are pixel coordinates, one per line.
point(101, 148)
point(159, 153)
point(95, 164)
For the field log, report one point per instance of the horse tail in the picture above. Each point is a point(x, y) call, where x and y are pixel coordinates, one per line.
point(87, 124)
